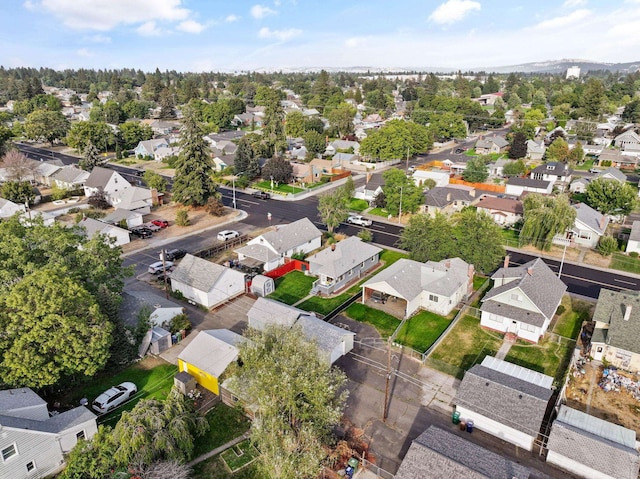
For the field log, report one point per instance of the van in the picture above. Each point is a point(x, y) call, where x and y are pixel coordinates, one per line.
point(158, 266)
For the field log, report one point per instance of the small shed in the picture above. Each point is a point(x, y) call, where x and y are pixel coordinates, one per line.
point(185, 382)
point(262, 285)
point(160, 340)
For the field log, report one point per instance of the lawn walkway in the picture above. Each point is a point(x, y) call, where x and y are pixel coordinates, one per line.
point(218, 450)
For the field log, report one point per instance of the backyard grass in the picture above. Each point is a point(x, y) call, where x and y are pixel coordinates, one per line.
point(465, 345)
point(284, 189)
point(240, 455)
point(625, 263)
point(356, 204)
point(388, 257)
point(479, 281)
point(225, 424)
point(550, 356)
point(422, 330)
point(323, 306)
point(292, 287)
point(509, 237)
point(384, 323)
point(586, 166)
point(214, 468)
point(569, 322)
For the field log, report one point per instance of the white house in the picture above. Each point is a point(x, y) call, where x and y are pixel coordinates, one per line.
point(9, 208)
point(503, 211)
point(627, 139)
point(589, 226)
point(535, 149)
point(149, 147)
point(435, 286)
point(69, 178)
point(553, 171)
point(95, 227)
point(505, 400)
point(33, 444)
point(134, 199)
point(333, 342)
point(449, 199)
point(516, 186)
point(271, 248)
point(371, 188)
point(206, 283)
point(119, 216)
point(523, 300)
point(107, 180)
point(440, 177)
point(633, 245)
point(606, 450)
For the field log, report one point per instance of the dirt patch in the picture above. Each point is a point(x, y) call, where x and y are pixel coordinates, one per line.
point(596, 259)
point(150, 362)
point(584, 394)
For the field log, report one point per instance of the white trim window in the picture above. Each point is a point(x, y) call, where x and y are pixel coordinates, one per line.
point(9, 451)
point(80, 435)
point(31, 466)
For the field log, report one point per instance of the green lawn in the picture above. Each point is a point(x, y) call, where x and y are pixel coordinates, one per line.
point(388, 257)
point(549, 357)
point(479, 281)
point(569, 322)
point(214, 468)
point(625, 263)
point(358, 205)
point(509, 237)
point(283, 189)
point(586, 166)
point(379, 212)
point(225, 424)
point(240, 455)
point(324, 305)
point(292, 287)
point(422, 330)
point(384, 323)
point(465, 345)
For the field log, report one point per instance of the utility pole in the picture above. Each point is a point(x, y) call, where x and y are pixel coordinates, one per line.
point(385, 411)
point(233, 180)
point(164, 273)
point(400, 211)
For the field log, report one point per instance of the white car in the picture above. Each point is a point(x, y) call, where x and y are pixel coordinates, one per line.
point(158, 266)
point(114, 397)
point(359, 220)
point(227, 234)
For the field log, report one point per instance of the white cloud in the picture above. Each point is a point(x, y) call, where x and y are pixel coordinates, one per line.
point(453, 11)
point(574, 3)
point(191, 26)
point(260, 11)
point(354, 42)
point(564, 21)
point(149, 29)
point(84, 52)
point(232, 18)
point(104, 15)
point(276, 3)
point(28, 4)
point(282, 35)
point(98, 39)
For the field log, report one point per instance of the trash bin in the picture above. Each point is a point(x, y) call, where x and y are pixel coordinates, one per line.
point(463, 424)
point(352, 467)
point(455, 418)
point(469, 425)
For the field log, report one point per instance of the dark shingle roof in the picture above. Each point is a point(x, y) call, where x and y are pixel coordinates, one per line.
point(441, 196)
point(501, 204)
point(439, 454)
point(610, 309)
point(531, 183)
point(54, 424)
point(99, 177)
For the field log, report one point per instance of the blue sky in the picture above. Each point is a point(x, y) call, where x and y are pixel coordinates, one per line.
point(235, 35)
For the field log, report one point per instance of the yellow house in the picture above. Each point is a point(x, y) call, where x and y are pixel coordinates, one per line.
point(208, 355)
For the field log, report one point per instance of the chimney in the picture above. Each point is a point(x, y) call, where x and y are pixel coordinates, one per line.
point(333, 246)
point(627, 312)
point(506, 261)
point(470, 271)
point(447, 264)
point(448, 196)
point(530, 271)
point(602, 221)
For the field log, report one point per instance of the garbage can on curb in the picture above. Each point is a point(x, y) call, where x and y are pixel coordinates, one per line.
point(463, 424)
point(455, 418)
point(469, 425)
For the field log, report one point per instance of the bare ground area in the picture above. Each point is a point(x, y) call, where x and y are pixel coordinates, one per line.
point(584, 394)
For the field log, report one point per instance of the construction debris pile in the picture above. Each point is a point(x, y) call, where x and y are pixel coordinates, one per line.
point(612, 380)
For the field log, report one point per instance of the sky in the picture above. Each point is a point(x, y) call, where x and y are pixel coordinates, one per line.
point(271, 35)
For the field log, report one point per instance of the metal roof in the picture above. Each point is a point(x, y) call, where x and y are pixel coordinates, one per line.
point(519, 372)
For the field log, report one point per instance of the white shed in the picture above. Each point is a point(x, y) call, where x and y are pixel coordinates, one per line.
point(633, 245)
point(262, 285)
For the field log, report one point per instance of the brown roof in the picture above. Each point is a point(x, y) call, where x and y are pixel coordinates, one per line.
point(501, 204)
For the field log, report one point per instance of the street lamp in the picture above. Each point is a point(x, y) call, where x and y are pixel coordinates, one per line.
point(562, 262)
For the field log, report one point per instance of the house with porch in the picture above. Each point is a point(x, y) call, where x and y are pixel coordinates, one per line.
point(148, 148)
point(280, 242)
point(617, 159)
point(69, 178)
point(333, 342)
point(535, 150)
point(523, 300)
point(135, 199)
point(505, 400)
point(448, 199)
point(341, 263)
point(606, 450)
point(503, 211)
point(434, 286)
point(616, 337)
point(492, 144)
point(626, 139)
point(34, 443)
point(371, 189)
point(106, 180)
point(555, 172)
point(588, 227)
point(45, 170)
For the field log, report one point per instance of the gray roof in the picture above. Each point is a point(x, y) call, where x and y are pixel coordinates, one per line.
point(552, 168)
point(529, 182)
point(94, 227)
point(199, 273)
point(287, 237)
point(327, 336)
point(595, 443)
point(54, 424)
point(46, 169)
point(610, 309)
point(274, 312)
point(257, 251)
point(99, 177)
point(19, 398)
point(499, 141)
point(410, 278)
point(439, 454)
point(133, 198)
point(70, 174)
point(347, 254)
point(536, 280)
point(120, 214)
point(211, 353)
point(591, 218)
point(614, 173)
point(441, 196)
point(227, 135)
point(635, 231)
point(501, 204)
point(507, 399)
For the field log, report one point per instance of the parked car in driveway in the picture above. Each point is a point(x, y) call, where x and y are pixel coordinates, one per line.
point(174, 254)
point(227, 234)
point(161, 223)
point(152, 226)
point(158, 266)
point(263, 195)
point(359, 220)
point(141, 232)
point(114, 397)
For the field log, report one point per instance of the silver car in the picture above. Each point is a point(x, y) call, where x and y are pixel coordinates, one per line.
point(114, 397)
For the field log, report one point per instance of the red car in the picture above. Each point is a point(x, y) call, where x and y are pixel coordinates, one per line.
point(161, 223)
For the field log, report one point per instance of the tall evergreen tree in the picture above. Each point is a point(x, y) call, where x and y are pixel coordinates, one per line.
point(518, 146)
point(243, 157)
point(193, 183)
point(90, 158)
point(273, 128)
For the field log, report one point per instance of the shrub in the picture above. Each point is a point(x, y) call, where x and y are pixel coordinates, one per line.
point(561, 309)
point(179, 323)
point(633, 254)
point(182, 218)
point(365, 235)
point(607, 245)
point(214, 207)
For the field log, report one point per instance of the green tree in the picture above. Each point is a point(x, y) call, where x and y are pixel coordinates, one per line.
point(448, 125)
point(155, 430)
point(593, 99)
point(306, 397)
point(46, 125)
point(5, 135)
point(332, 209)
point(90, 158)
point(243, 156)
point(54, 330)
point(92, 459)
point(193, 184)
point(273, 127)
point(133, 132)
point(401, 191)
point(20, 192)
point(182, 218)
point(611, 197)
point(477, 239)
point(154, 180)
point(558, 150)
point(514, 168)
point(294, 126)
point(518, 146)
point(314, 123)
point(476, 170)
point(167, 104)
point(314, 142)
point(427, 238)
point(396, 139)
point(631, 111)
point(84, 132)
point(545, 217)
point(341, 117)
point(607, 245)
point(278, 170)
point(576, 155)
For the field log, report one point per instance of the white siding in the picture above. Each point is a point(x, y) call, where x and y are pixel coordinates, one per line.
point(496, 429)
point(43, 449)
point(68, 440)
point(632, 246)
point(575, 467)
point(230, 284)
point(503, 324)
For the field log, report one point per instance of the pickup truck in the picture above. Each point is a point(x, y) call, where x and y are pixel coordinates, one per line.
point(359, 220)
point(263, 195)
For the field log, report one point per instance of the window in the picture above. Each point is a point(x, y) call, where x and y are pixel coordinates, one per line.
point(528, 327)
point(516, 297)
point(31, 466)
point(433, 298)
point(9, 452)
point(80, 435)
